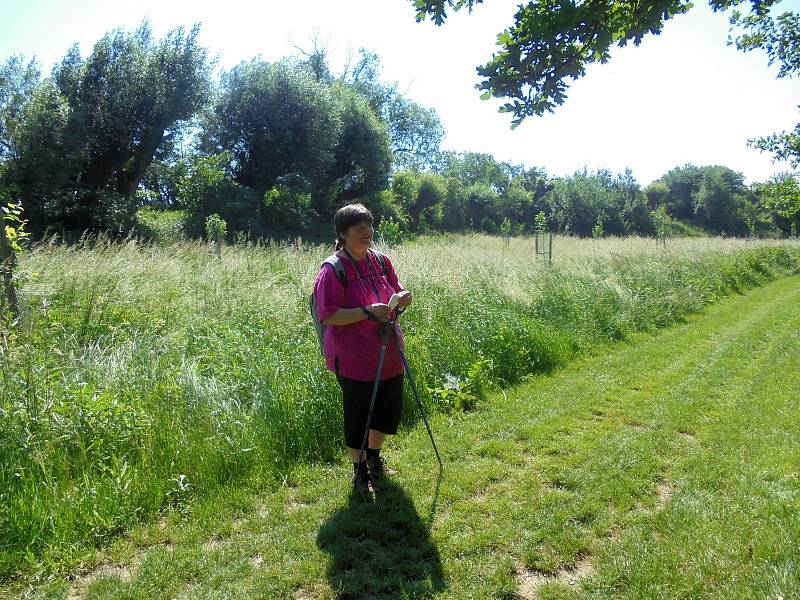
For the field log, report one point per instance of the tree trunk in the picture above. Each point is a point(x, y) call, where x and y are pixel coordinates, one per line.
point(128, 178)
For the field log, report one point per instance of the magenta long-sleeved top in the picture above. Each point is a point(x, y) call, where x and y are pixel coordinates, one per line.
point(353, 350)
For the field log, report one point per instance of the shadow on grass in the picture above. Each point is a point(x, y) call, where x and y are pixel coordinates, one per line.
point(381, 548)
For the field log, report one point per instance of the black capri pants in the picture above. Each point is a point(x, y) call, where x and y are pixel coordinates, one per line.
point(386, 415)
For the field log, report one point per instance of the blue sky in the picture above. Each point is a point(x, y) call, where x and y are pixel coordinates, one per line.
point(681, 97)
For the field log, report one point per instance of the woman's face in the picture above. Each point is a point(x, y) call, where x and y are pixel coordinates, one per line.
point(358, 237)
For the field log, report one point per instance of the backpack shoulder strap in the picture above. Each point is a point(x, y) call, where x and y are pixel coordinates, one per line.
point(338, 267)
point(381, 261)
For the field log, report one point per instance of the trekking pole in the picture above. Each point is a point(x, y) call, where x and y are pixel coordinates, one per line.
point(419, 402)
point(384, 341)
point(416, 393)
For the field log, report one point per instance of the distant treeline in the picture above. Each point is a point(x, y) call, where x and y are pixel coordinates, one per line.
point(140, 137)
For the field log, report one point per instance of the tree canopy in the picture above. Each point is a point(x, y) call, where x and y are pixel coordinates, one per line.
point(276, 119)
point(415, 132)
point(137, 137)
point(77, 149)
point(551, 42)
point(782, 195)
point(713, 198)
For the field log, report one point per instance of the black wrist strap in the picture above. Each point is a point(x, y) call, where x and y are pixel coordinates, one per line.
point(370, 315)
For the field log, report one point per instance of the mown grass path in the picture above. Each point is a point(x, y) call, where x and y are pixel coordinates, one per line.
point(664, 467)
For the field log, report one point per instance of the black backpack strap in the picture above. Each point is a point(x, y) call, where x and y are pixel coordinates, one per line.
point(338, 267)
point(382, 261)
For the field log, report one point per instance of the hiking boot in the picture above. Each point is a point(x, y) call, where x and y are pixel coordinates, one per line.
point(377, 467)
point(362, 482)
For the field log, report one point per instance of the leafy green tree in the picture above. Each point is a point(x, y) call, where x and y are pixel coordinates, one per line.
point(514, 203)
point(388, 232)
point(405, 187)
point(477, 184)
point(783, 146)
point(385, 205)
point(280, 124)
point(540, 222)
point(206, 188)
point(657, 194)
point(579, 202)
point(471, 168)
point(364, 75)
point(159, 185)
point(481, 190)
point(719, 202)
point(32, 119)
point(422, 197)
point(535, 182)
point(782, 197)
point(598, 231)
point(712, 197)
point(661, 221)
point(553, 41)
point(124, 100)
point(505, 230)
point(454, 214)
point(481, 202)
point(638, 217)
point(361, 159)
point(415, 133)
point(675, 190)
point(77, 145)
point(18, 82)
point(286, 209)
point(431, 193)
point(39, 169)
point(216, 230)
point(779, 37)
point(293, 132)
point(635, 215)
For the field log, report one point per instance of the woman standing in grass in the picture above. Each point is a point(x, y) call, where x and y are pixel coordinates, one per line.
point(354, 311)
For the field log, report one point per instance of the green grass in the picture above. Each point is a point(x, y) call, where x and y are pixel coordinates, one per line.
point(664, 468)
point(149, 380)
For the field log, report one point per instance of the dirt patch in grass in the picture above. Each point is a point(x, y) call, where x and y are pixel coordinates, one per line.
point(82, 582)
point(663, 494)
point(530, 582)
point(211, 545)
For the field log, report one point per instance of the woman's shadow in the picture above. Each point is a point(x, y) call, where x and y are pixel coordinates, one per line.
point(381, 548)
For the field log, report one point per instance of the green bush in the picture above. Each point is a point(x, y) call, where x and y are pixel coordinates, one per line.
point(160, 226)
point(388, 232)
point(204, 189)
point(287, 209)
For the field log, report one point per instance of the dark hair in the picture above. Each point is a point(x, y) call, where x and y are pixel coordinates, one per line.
point(348, 216)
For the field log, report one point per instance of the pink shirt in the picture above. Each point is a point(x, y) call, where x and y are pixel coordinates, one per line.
point(353, 350)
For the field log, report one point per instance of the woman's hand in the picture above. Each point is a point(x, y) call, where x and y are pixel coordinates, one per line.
point(404, 299)
point(381, 311)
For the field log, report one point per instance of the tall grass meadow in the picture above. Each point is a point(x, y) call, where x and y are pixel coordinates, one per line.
point(142, 376)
